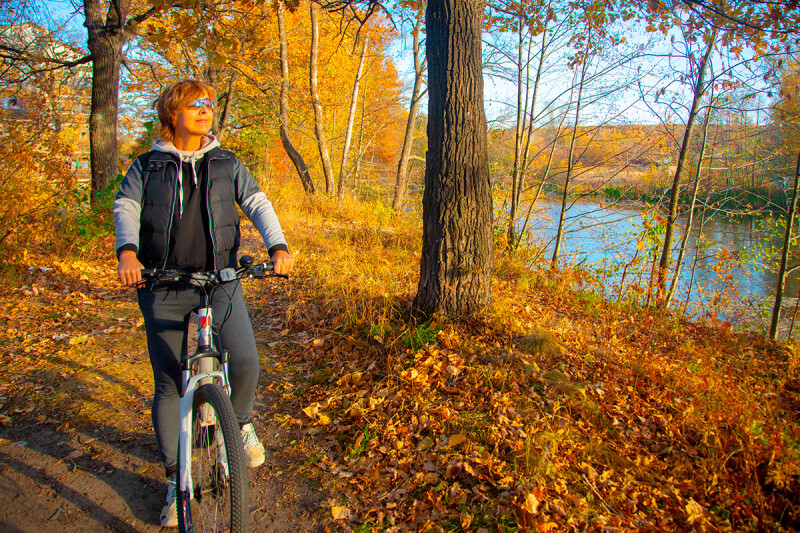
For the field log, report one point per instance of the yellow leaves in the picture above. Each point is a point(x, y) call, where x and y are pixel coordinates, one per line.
point(424, 444)
point(531, 503)
point(340, 513)
point(80, 339)
point(313, 412)
point(528, 506)
point(350, 379)
point(456, 440)
point(695, 512)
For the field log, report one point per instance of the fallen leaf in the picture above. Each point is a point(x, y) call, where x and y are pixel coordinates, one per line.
point(340, 513)
point(424, 444)
point(456, 439)
point(312, 410)
point(531, 503)
point(694, 510)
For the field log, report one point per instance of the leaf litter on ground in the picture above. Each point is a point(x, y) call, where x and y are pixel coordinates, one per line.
point(540, 416)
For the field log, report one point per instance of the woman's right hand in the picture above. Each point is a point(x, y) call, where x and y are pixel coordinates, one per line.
point(129, 268)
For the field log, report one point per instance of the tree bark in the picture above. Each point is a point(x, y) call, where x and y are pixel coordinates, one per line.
point(683, 155)
point(401, 182)
point(351, 119)
point(291, 151)
point(319, 121)
point(105, 37)
point(457, 244)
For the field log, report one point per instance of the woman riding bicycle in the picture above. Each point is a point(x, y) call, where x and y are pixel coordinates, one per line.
point(177, 208)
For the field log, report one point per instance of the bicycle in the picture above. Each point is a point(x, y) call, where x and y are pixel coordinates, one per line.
point(212, 473)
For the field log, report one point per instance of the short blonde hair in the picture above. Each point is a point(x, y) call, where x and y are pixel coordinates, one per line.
point(174, 99)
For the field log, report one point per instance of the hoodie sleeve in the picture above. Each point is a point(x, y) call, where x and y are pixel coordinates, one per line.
point(258, 209)
point(128, 209)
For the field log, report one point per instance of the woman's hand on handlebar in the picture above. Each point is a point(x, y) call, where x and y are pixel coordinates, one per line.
point(129, 268)
point(282, 261)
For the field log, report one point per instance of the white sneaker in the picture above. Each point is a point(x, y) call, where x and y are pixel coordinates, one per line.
point(253, 448)
point(169, 513)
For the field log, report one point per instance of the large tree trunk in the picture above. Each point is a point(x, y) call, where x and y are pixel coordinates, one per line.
point(351, 119)
point(319, 121)
point(457, 249)
point(106, 35)
point(401, 182)
point(672, 216)
point(291, 151)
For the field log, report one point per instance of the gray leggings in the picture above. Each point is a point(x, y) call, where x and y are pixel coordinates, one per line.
point(166, 313)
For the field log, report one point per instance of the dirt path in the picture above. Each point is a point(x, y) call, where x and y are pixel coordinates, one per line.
point(77, 452)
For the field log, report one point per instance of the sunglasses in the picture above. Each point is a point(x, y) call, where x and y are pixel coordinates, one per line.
point(200, 102)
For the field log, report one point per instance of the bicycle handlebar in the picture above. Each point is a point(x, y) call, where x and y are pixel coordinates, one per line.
point(248, 269)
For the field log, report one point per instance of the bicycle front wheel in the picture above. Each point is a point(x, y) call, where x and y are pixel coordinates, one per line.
point(219, 475)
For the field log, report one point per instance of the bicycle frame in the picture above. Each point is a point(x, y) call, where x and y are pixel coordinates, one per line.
point(204, 355)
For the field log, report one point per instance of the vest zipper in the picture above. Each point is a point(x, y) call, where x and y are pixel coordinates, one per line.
point(208, 209)
point(171, 214)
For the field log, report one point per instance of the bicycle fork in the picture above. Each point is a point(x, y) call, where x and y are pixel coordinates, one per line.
point(205, 356)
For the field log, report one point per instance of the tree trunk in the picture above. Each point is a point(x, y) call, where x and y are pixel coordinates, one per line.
point(699, 89)
point(690, 220)
point(457, 248)
point(522, 100)
point(563, 213)
point(348, 136)
point(361, 148)
point(776, 309)
point(512, 240)
point(230, 98)
point(294, 155)
point(106, 35)
point(319, 122)
point(401, 182)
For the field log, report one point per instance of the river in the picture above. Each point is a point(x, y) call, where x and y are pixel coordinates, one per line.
point(605, 238)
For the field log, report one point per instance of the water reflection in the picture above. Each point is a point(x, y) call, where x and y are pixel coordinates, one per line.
point(606, 238)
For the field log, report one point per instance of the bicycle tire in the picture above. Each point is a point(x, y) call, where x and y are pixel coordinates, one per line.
point(220, 503)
